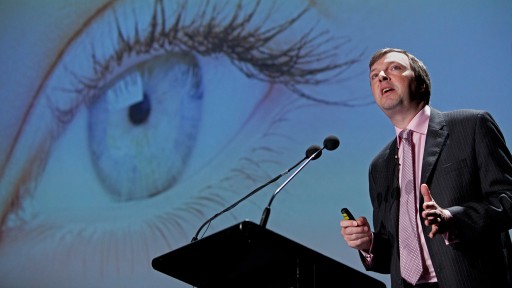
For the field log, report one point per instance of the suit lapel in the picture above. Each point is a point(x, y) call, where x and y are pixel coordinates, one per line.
point(436, 139)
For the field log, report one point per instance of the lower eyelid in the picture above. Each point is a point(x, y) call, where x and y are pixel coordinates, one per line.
point(163, 229)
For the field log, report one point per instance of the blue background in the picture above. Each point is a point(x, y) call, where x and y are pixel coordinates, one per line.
point(87, 200)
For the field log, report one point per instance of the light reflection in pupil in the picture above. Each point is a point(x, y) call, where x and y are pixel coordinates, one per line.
point(139, 112)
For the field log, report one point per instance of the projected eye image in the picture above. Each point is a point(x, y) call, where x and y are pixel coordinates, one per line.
point(154, 117)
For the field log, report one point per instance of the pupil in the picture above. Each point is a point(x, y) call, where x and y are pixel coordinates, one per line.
point(139, 112)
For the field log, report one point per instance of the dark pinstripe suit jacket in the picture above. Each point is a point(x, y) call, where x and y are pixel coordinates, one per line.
point(469, 171)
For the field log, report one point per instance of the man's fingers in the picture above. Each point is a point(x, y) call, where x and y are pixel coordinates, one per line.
point(433, 232)
point(425, 191)
point(362, 221)
point(348, 223)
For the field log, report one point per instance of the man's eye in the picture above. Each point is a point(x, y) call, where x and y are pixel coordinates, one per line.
point(396, 68)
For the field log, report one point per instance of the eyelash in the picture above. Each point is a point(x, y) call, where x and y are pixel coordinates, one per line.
point(289, 67)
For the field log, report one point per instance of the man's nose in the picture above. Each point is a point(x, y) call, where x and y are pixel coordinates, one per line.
point(383, 76)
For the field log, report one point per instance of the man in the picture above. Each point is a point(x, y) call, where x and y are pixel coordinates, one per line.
point(460, 172)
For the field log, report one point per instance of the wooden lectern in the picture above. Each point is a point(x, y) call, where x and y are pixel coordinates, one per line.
point(247, 255)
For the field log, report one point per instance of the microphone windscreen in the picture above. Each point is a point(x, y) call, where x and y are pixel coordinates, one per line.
point(312, 150)
point(331, 142)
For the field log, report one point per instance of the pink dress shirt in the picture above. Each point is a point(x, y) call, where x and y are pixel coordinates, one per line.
point(419, 126)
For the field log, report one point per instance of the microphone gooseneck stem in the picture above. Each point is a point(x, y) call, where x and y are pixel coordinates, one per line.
point(265, 216)
point(266, 211)
point(245, 197)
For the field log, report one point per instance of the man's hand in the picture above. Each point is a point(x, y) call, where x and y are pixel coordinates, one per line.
point(434, 215)
point(357, 233)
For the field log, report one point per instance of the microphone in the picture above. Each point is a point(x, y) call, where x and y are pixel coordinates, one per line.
point(313, 152)
point(331, 142)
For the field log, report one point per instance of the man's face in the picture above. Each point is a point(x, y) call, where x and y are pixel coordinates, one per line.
point(393, 83)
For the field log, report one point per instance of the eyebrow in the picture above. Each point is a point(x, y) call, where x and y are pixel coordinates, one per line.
point(387, 64)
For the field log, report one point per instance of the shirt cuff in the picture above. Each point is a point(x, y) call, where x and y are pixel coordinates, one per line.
point(368, 255)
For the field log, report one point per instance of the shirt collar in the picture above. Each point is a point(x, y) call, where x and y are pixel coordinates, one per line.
point(418, 124)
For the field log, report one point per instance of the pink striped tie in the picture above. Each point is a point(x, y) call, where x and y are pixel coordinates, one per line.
point(410, 254)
